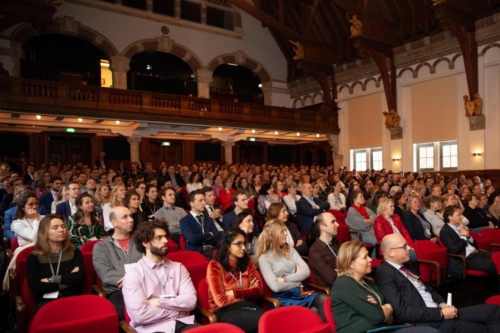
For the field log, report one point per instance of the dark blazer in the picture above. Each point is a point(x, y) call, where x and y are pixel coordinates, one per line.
point(98, 164)
point(195, 237)
point(6, 201)
point(476, 220)
point(178, 179)
point(64, 209)
point(302, 249)
point(323, 262)
point(46, 200)
point(27, 180)
point(307, 213)
point(414, 226)
point(408, 304)
point(455, 245)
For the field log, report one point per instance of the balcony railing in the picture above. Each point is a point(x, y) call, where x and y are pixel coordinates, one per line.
point(52, 96)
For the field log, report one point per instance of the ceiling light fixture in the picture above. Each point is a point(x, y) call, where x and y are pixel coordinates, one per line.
point(80, 120)
point(118, 122)
point(298, 134)
point(220, 128)
point(253, 131)
point(317, 135)
point(275, 132)
point(38, 117)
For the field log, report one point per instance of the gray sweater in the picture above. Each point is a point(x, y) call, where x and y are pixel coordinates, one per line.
point(356, 221)
point(274, 267)
point(172, 217)
point(109, 261)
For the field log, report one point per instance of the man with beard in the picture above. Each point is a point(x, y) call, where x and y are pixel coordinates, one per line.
point(48, 198)
point(115, 255)
point(158, 292)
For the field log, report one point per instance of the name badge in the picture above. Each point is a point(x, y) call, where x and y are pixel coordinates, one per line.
point(51, 295)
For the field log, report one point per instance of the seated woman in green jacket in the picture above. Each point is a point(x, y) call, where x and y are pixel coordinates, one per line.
point(356, 302)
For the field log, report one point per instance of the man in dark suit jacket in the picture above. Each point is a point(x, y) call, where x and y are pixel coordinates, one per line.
point(101, 162)
point(68, 208)
point(455, 236)
point(171, 175)
point(418, 304)
point(47, 199)
point(308, 208)
point(200, 233)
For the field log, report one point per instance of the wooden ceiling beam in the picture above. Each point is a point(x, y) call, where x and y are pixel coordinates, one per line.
point(311, 16)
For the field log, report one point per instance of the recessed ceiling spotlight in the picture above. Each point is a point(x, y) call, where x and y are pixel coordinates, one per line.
point(118, 122)
point(80, 120)
point(38, 117)
point(275, 132)
point(220, 128)
point(253, 131)
point(298, 134)
point(317, 135)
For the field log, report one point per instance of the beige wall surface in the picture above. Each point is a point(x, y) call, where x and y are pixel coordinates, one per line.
point(365, 115)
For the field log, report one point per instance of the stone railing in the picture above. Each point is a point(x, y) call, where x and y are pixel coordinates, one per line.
point(54, 97)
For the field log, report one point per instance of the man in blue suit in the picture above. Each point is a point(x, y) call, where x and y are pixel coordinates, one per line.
point(68, 207)
point(308, 208)
point(200, 232)
point(48, 198)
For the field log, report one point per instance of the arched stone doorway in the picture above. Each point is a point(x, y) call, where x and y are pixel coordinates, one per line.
point(233, 82)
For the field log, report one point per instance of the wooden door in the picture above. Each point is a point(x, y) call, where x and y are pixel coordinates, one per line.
point(69, 149)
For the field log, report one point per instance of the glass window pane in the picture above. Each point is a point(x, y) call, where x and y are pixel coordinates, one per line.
point(422, 152)
point(454, 162)
point(454, 150)
point(446, 150)
point(430, 151)
point(430, 163)
point(446, 162)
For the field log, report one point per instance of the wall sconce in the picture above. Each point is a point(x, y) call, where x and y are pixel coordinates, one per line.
point(476, 154)
point(395, 159)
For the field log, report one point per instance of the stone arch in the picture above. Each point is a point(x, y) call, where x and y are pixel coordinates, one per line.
point(241, 58)
point(167, 45)
point(65, 26)
point(345, 86)
point(355, 84)
point(317, 94)
point(377, 83)
point(451, 64)
point(413, 73)
point(306, 98)
point(425, 64)
point(297, 100)
point(486, 48)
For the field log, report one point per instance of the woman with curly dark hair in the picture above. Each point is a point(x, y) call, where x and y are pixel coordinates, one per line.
point(232, 281)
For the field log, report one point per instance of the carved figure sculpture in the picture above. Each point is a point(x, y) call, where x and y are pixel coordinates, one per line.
point(298, 49)
point(478, 105)
point(356, 27)
point(395, 118)
point(388, 119)
point(469, 106)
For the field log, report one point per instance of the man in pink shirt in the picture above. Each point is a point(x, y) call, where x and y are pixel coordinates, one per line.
point(158, 292)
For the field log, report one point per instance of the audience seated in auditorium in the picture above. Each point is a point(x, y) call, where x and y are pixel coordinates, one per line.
point(55, 268)
point(277, 211)
point(115, 255)
point(85, 225)
point(170, 214)
point(68, 207)
point(456, 237)
point(284, 270)
point(336, 198)
point(200, 233)
point(419, 304)
point(212, 211)
point(117, 197)
point(49, 197)
point(150, 203)
point(133, 202)
point(244, 221)
point(26, 219)
point(308, 208)
point(418, 227)
point(233, 281)
point(322, 257)
point(226, 194)
point(361, 218)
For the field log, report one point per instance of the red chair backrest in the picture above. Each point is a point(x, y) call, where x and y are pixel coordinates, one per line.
point(339, 216)
point(90, 273)
point(14, 244)
point(290, 319)
point(203, 298)
point(21, 259)
point(342, 233)
point(217, 201)
point(217, 328)
point(267, 291)
point(251, 204)
point(491, 234)
point(77, 314)
point(172, 246)
point(329, 315)
point(482, 242)
point(29, 300)
point(195, 263)
point(182, 242)
point(495, 257)
point(430, 251)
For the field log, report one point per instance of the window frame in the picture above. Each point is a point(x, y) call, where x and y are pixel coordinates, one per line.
point(425, 145)
point(443, 144)
point(355, 159)
point(373, 160)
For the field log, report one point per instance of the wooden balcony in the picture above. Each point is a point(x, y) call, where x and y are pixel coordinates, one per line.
point(48, 97)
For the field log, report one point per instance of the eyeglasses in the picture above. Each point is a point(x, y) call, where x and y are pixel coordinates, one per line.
point(238, 244)
point(404, 247)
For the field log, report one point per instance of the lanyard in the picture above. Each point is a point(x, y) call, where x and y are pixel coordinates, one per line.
point(367, 287)
point(31, 225)
point(163, 290)
point(58, 264)
point(240, 284)
point(329, 248)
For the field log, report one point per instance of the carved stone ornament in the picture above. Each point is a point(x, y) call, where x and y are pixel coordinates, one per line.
point(356, 27)
point(396, 132)
point(298, 49)
point(477, 123)
point(165, 30)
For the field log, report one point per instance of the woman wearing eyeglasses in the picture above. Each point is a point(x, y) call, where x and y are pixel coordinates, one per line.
point(284, 270)
point(232, 282)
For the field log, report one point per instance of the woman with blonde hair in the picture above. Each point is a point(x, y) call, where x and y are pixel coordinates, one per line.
point(284, 270)
point(101, 197)
point(117, 197)
point(278, 211)
point(55, 266)
point(356, 302)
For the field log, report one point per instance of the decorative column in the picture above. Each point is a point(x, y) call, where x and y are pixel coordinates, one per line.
point(119, 67)
point(204, 77)
point(338, 158)
point(267, 90)
point(134, 147)
point(228, 151)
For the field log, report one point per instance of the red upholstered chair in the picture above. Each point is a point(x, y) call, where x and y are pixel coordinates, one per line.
point(17, 275)
point(483, 243)
point(268, 296)
point(338, 215)
point(251, 204)
point(202, 306)
point(182, 242)
point(172, 246)
point(194, 262)
point(291, 319)
point(329, 315)
point(217, 328)
point(78, 314)
point(343, 233)
point(92, 280)
point(14, 244)
point(432, 259)
point(25, 308)
point(493, 235)
point(466, 272)
point(313, 284)
point(495, 300)
point(124, 324)
point(185, 195)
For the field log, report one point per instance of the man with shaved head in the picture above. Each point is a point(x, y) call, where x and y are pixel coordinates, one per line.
point(418, 304)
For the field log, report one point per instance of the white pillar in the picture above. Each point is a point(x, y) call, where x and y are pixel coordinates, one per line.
point(120, 67)
point(337, 156)
point(228, 151)
point(134, 147)
point(267, 90)
point(204, 77)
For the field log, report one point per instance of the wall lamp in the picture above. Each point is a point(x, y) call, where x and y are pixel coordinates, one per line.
point(477, 154)
point(395, 159)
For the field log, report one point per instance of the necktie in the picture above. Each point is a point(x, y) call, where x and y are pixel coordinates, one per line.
point(210, 209)
point(410, 274)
